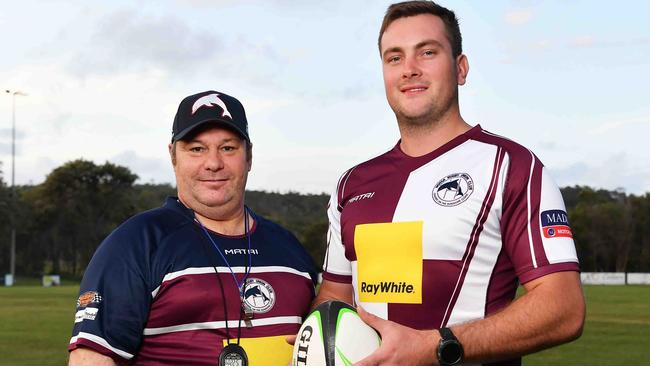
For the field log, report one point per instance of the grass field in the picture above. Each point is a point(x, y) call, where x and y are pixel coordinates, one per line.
point(617, 331)
point(35, 326)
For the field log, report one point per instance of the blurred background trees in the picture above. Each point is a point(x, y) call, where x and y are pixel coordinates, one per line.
point(61, 221)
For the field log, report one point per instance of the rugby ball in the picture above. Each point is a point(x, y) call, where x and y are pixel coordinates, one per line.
point(333, 335)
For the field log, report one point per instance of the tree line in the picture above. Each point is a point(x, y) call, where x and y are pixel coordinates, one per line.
point(60, 222)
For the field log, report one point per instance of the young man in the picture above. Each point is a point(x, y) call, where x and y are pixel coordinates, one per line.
point(432, 238)
point(202, 280)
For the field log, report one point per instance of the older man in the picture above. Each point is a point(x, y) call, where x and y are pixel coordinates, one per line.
point(202, 280)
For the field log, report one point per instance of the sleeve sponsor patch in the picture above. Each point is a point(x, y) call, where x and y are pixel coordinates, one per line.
point(555, 224)
point(87, 298)
point(85, 314)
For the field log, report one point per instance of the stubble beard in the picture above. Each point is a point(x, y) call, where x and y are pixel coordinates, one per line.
point(430, 118)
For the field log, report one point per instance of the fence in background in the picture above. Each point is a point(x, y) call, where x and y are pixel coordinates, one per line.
point(615, 278)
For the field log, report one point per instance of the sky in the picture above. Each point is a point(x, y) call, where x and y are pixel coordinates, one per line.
point(567, 79)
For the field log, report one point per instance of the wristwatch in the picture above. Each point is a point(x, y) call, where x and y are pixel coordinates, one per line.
point(450, 351)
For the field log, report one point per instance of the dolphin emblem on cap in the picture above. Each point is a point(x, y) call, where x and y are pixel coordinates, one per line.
point(209, 101)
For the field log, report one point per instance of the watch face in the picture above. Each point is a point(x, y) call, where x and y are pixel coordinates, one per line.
point(451, 353)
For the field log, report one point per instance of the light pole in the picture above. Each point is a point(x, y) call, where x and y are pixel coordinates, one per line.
point(13, 93)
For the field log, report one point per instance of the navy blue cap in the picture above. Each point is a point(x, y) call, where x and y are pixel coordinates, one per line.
point(209, 107)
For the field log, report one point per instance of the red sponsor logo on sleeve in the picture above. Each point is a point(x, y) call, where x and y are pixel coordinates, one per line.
point(555, 224)
point(559, 231)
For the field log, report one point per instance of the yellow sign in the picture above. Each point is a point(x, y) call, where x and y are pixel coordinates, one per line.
point(265, 351)
point(389, 262)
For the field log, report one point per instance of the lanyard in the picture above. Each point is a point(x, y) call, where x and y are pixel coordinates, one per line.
point(247, 232)
point(244, 310)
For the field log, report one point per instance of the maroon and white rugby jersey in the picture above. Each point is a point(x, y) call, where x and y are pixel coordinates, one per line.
point(156, 292)
point(446, 237)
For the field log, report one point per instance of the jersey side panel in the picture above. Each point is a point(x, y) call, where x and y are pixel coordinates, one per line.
point(336, 267)
point(557, 239)
point(528, 194)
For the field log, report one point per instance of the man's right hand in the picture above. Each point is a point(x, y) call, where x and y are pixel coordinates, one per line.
point(400, 345)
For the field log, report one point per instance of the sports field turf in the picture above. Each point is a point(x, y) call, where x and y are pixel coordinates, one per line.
point(35, 325)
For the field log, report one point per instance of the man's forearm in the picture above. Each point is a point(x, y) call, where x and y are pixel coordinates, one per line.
point(333, 291)
point(87, 357)
point(550, 313)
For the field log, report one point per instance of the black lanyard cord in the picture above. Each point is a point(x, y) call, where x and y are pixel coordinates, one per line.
point(209, 252)
point(203, 233)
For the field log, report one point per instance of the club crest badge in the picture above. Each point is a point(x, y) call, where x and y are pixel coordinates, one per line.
point(453, 189)
point(259, 295)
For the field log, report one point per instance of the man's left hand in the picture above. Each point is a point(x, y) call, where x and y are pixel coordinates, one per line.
point(400, 345)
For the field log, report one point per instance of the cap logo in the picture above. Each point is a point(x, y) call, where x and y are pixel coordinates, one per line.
point(209, 101)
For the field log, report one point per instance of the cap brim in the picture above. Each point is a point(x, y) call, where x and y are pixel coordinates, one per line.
point(230, 125)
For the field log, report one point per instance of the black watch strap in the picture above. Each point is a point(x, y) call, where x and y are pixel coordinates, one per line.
point(450, 351)
point(447, 334)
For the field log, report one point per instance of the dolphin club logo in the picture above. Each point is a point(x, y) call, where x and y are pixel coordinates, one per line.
point(211, 100)
point(453, 189)
point(555, 224)
point(259, 295)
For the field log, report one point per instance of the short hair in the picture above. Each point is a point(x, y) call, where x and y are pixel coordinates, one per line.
point(418, 7)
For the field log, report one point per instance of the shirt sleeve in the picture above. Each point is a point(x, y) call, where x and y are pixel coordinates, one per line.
point(336, 267)
point(114, 299)
point(535, 226)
